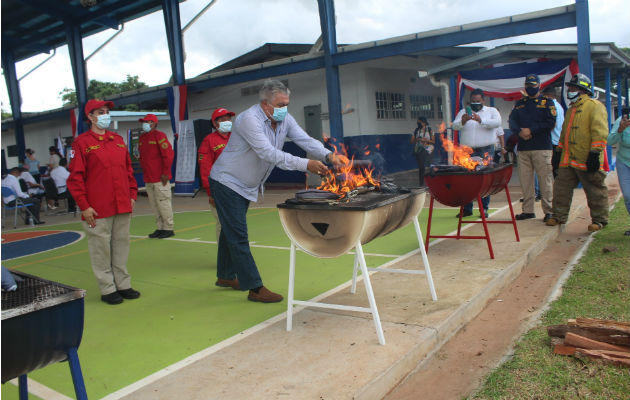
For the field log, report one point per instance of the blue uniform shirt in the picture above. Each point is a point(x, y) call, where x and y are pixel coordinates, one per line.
point(539, 115)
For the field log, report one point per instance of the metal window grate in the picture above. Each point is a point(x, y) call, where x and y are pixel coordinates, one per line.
point(390, 105)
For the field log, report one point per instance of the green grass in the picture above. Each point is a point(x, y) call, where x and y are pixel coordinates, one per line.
point(598, 288)
point(181, 312)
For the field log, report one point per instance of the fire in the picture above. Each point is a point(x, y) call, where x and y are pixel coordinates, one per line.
point(461, 155)
point(344, 180)
point(442, 127)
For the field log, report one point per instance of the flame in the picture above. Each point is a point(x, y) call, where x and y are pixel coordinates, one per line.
point(442, 127)
point(461, 155)
point(347, 178)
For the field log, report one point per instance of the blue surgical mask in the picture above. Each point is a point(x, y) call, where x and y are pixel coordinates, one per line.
point(279, 113)
point(573, 96)
point(103, 121)
point(225, 126)
point(146, 127)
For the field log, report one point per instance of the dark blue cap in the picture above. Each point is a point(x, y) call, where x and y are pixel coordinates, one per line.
point(532, 79)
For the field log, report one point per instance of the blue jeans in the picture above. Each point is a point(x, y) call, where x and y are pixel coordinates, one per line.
point(234, 258)
point(480, 151)
point(623, 173)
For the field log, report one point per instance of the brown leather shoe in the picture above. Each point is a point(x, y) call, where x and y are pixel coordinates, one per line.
point(233, 283)
point(264, 295)
point(552, 222)
point(595, 226)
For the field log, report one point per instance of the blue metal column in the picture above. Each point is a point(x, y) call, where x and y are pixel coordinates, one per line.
point(584, 38)
point(172, 24)
point(13, 87)
point(75, 49)
point(608, 98)
point(333, 87)
point(453, 87)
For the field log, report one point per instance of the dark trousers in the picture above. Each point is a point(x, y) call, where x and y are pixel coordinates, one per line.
point(72, 205)
point(480, 152)
point(234, 257)
point(422, 158)
point(33, 206)
point(555, 160)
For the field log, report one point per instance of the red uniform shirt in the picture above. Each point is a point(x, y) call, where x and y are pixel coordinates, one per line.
point(101, 176)
point(209, 151)
point(156, 156)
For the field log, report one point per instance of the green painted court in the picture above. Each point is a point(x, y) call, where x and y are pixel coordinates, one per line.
point(181, 311)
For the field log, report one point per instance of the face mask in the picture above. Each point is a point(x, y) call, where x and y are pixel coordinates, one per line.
point(146, 127)
point(103, 121)
point(225, 126)
point(573, 96)
point(476, 106)
point(279, 113)
point(531, 91)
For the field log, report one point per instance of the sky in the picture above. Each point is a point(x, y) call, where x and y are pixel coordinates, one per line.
point(233, 27)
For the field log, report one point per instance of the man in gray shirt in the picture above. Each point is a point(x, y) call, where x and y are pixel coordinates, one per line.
point(239, 175)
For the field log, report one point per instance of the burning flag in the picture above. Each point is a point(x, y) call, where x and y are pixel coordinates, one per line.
point(351, 176)
point(461, 156)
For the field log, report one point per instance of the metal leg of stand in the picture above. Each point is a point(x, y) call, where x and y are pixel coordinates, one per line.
point(509, 200)
point(370, 294)
point(23, 387)
point(425, 259)
point(485, 226)
point(77, 376)
point(426, 244)
point(291, 287)
point(353, 289)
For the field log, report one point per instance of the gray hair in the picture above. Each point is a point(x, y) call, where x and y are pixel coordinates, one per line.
point(270, 88)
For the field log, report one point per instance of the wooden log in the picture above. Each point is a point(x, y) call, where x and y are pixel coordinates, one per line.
point(564, 350)
point(607, 335)
point(622, 327)
point(582, 342)
point(604, 356)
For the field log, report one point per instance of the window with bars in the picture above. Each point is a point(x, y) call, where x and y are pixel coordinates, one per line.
point(390, 105)
point(421, 106)
point(440, 108)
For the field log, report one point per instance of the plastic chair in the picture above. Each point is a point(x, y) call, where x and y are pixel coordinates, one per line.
point(51, 192)
point(6, 192)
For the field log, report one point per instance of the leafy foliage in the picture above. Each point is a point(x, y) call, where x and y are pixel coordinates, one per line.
point(101, 90)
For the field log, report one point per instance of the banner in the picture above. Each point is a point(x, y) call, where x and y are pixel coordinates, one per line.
point(507, 81)
point(74, 120)
point(186, 159)
point(177, 97)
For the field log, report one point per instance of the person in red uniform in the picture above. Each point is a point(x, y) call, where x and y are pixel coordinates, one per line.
point(102, 183)
point(156, 157)
point(210, 149)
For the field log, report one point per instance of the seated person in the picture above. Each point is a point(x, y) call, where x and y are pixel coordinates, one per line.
point(60, 175)
point(32, 203)
point(34, 189)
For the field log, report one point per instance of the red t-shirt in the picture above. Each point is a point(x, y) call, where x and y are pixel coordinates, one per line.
point(209, 151)
point(156, 156)
point(101, 176)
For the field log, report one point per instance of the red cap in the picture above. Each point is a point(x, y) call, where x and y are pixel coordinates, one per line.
point(219, 112)
point(149, 117)
point(92, 105)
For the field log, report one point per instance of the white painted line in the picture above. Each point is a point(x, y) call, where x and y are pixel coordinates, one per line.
point(41, 391)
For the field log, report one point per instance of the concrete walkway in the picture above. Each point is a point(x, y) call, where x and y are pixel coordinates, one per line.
point(333, 354)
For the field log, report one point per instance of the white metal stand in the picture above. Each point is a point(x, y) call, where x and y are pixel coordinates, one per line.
point(359, 262)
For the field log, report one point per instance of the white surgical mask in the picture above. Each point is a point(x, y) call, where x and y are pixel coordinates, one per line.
point(103, 121)
point(146, 127)
point(572, 96)
point(225, 126)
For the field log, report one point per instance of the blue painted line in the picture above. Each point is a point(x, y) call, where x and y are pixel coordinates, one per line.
point(26, 247)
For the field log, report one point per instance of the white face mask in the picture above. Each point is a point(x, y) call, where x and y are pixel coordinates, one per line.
point(572, 96)
point(146, 127)
point(103, 121)
point(225, 126)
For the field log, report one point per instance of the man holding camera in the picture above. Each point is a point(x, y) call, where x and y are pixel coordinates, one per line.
point(582, 142)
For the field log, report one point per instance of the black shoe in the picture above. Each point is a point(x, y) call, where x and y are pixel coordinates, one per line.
point(547, 216)
point(466, 214)
point(523, 216)
point(156, 233)
point(166, 234)
point(112, 298)
point(485, 212)
point(40, 222)
point(538, 198)
point(521, 199)
point(129, 294)
point(626, 233)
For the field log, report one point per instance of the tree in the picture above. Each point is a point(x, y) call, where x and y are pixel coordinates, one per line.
point(98, 89)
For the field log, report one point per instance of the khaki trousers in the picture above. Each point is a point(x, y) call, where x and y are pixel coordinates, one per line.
point(108, 243)
point(538, 161)
point(594, 187)
point(216, 218)
point(160, 201)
